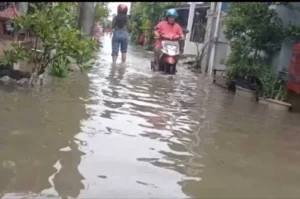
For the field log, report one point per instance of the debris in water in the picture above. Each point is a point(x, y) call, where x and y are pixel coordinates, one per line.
point(16, 132)
point(66, 149)
point(5, 79)
point(8, 164)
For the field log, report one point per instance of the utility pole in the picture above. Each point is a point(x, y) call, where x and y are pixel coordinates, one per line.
point(215, 38)
point(189, 26)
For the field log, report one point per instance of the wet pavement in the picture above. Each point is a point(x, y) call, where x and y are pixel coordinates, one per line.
point(126, 132)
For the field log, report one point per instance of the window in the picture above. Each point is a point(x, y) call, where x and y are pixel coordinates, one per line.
point(199, 25)
point(8, 28)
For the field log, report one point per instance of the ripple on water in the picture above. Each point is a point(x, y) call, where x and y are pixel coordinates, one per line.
point(126, 132)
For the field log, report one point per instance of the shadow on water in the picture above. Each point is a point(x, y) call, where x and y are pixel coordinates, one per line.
point(125, 132)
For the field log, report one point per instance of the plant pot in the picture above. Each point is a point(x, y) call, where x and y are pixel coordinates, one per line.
point(275, 104)
point(221, 81)
point(294, 99)
point(245, 92)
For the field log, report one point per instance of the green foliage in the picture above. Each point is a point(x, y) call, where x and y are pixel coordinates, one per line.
point(145, 15)
point(60, 67)
point(256, 25)
point(255, 33)
point(16, 53)
point(273, 85)
point(53, 25)
point(293, 33)
point(102, 11)
point(107, 23)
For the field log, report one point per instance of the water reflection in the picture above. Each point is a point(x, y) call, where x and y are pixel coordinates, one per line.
point(31, 148)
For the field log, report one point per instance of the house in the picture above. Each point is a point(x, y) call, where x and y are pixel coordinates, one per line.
point(194, 13)
point(7, 13)
point(213, 36)
point(221, 49)
point(286, 60)
point(8, 35)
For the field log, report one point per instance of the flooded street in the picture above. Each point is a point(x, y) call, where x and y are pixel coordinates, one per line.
point(126, 132)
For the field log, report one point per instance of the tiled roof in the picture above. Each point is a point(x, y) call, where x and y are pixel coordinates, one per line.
point(10, 12)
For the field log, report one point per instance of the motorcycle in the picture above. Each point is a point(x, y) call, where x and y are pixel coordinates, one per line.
point(169, 54)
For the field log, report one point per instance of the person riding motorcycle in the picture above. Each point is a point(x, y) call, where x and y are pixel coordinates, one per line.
point(165, 27)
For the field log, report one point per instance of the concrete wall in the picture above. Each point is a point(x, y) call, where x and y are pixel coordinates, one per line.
point(22, 7)
point(282, 59)
point(219, 47)
point(222, 46)
point(190, 47)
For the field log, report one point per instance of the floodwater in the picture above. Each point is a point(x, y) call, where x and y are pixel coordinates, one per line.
point(126, 132)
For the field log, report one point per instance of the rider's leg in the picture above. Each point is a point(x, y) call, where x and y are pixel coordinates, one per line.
point(157, 52)
point(181, 46)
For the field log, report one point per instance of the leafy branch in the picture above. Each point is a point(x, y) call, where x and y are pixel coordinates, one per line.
point(58, 41)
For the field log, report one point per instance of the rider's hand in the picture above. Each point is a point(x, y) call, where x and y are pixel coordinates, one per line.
point(157, 35)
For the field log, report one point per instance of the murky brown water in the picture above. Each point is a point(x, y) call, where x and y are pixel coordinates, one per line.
point(125, 132)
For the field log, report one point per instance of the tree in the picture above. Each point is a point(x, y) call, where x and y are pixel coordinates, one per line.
point(201, 28)
point(86, 17)
point(53, 25)
point(255, 32)
point(38, 5)
point(102, 11)
point(107, 23)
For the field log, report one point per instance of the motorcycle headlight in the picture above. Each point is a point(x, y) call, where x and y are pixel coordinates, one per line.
point(171, 47)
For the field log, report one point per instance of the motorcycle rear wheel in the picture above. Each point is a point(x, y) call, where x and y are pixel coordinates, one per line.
point(170, 69)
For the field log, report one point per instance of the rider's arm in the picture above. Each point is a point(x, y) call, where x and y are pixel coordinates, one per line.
point(179, 31)
point(157, 31)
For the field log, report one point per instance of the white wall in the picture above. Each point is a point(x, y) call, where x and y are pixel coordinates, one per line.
point(190, 47)
point(282, 59)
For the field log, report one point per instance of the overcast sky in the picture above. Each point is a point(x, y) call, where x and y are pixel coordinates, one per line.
point(113, 7)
